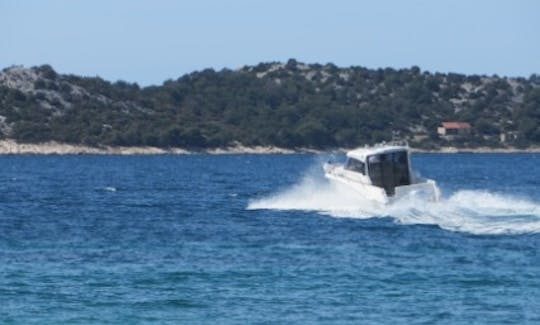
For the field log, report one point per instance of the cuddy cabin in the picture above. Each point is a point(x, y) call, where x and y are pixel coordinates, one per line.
point(381, 173)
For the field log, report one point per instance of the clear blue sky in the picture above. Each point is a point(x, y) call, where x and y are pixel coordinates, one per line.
point(150, 41)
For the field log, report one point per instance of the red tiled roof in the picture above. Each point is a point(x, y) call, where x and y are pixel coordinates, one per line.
point(456, 125)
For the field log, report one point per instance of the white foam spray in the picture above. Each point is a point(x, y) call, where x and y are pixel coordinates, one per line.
point(472, 211)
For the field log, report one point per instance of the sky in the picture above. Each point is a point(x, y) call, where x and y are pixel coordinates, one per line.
point(149, 42)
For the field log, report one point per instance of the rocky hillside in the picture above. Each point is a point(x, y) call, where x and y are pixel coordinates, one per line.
point(283, 104)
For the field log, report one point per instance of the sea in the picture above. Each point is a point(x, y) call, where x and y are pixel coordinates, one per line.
point(265, 239)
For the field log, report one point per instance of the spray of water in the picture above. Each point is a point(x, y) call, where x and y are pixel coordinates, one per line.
point(476, 212)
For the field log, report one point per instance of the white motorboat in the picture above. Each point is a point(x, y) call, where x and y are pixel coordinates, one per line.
point(382, 173)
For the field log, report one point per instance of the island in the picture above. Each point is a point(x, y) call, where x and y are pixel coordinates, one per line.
point(270, 107)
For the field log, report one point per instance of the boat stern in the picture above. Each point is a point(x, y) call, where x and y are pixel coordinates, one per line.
point(427, 190)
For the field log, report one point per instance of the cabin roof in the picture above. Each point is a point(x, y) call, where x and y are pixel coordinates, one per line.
point(456, 125)
point(362, 153)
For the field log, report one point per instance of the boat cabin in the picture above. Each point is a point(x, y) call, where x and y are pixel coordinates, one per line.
point(386, 167)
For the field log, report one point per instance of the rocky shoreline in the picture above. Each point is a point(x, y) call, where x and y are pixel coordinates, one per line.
point(11, 147)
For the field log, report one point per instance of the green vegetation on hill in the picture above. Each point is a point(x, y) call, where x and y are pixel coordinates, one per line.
point(283, 104)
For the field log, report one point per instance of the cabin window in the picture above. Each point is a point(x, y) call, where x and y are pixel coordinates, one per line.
point(355, 165)
point(389, 170)
point(401, 168)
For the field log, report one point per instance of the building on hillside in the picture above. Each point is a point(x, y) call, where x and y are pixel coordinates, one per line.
point(449, 130)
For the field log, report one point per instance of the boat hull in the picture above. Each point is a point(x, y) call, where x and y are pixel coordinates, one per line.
point(425, 189)
point(367, 191)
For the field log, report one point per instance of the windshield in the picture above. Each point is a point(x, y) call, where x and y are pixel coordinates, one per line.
point(355, 165)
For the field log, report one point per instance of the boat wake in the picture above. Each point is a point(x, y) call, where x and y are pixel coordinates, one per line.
point(471, 211)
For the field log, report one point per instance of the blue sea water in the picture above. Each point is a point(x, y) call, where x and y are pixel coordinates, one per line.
point(249, 239)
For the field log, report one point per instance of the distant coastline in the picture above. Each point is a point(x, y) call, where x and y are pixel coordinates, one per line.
point(11, 147)
point(282, 104)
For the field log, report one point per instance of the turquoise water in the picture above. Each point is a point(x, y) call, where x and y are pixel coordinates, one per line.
point(264, 239)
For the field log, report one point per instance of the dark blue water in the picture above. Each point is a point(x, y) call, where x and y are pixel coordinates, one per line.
point(233, 239)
